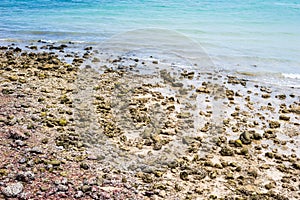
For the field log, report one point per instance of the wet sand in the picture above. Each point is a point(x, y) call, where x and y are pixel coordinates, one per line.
point(91, 126)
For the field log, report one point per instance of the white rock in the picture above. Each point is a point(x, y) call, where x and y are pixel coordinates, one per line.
point(12, 189)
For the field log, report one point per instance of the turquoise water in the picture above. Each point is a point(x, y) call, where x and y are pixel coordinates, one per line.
point(246, 35)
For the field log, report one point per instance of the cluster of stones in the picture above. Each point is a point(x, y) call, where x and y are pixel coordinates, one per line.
point(42, 153)
point(53, 115)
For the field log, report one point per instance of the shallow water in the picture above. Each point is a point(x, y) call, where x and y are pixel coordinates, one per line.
point(261, 37)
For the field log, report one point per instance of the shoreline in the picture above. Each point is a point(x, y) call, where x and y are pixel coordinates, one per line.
point(280, 79)
point(164, 133)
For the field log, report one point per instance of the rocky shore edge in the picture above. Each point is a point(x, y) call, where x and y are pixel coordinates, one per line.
point(64, 126)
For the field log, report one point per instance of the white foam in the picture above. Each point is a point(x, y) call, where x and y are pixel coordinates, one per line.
point(291, 75)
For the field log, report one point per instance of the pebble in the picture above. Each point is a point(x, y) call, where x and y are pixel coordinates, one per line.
point(226, 151)
point(12, 190)
point(284, 117)
point(245, 137)
point(22, 160)
point(25, 176)
point(62, 187)
point(36, 150)
point(274, 124)
point(79, 194)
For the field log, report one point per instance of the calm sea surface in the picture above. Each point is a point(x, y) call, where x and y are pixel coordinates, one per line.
point(243, 35)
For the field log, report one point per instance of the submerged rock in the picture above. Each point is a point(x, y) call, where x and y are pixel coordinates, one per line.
point(245, 137)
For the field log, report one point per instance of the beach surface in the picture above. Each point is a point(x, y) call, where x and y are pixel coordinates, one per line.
point(93, 125)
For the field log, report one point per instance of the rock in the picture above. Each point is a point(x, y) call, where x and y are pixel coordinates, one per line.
point(270, 185)
point(284, 117)
point(245, 137)
point(17, 135)
point(295, 109)
point(184, 115)
point(20, 143)
point(13, 78)
point(184, 175)
point(281, 96)
point(296, 166)
point(95, 60)
point(84, 166)
point(3, 172)
point(269, 154)
point(157, 146)
point(54, 162)
point(62, 188)
point(274, 124)
point(202, 90)
point(244, 151)
point(88, 48)
point(36, 150)
point(229, 175)
point(25, 176)
point(177, 84)
point(265, 96)
point(226, 151)
point(62, 122)
point(256, 136)
point(79, 194)
point(12, 190)
point(253, 172)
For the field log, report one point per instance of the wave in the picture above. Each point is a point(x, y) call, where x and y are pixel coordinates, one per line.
point(273, 78)
point(290, 75)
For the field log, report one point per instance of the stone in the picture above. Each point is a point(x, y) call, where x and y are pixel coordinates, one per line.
point(62, 188)
point(184, 115)
point(17, 135)
point(256, 136)
point(79, 194)
point(184, 175)
point(284, 118)
point(245, 137)
point(84, 166)
point(25, 176)
point(35, 150)
point(13, 78)
point(274, 124)
point(12, 190)
point(270, 185)
point(62, 122)
point(281, 96)
point(265, 96)
point(54, 162)
point(226, 151)
point(269, 154)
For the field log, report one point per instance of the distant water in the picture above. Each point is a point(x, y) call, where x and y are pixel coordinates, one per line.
point(243, 35)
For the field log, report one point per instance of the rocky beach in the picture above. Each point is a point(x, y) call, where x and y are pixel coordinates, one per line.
point(92, 125)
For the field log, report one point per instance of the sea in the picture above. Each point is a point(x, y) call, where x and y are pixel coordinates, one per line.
point(259, 38)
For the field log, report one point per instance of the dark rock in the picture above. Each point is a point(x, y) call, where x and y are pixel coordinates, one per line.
point(226, 151)
point(284, 117)
point(265, 96)
point(256, 136)
point(184, 175)
point(25, 176)
point(84, 166)
point(269, 154)
point(245, 137)
point(274, 124)
point(16, 135)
